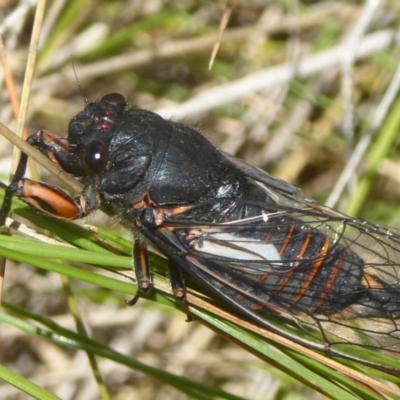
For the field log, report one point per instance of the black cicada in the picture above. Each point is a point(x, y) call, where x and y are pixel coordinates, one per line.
point(254, 241)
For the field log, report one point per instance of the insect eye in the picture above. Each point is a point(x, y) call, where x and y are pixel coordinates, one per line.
point(96, 156)
point(116, 99)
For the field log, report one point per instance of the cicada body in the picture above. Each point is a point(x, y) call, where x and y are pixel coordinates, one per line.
point(253, 241)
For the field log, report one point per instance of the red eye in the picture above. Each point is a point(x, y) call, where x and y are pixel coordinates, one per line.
point(96, 156)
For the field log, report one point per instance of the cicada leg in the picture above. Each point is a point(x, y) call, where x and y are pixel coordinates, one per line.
point(141, 268)
point(48, 199)
point(178, 289)
point(42, 197)
point(144, 282)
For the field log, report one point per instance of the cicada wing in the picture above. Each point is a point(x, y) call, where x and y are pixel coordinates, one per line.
point(260, 176)
point(380, 250)
point(316, 331)
point(332, 281)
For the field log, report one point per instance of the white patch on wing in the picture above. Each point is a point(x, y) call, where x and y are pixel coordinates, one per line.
point(235, 247)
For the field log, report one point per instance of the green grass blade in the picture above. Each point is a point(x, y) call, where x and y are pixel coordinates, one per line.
point(72, 340)
point(25, 385)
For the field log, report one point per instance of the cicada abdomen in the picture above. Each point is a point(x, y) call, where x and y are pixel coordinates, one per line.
point(334, 277)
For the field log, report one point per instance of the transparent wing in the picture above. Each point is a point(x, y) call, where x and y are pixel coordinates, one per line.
point(334, 277)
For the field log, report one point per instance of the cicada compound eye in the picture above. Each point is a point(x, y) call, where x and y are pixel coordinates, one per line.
point(96, 156)
point(115, 99)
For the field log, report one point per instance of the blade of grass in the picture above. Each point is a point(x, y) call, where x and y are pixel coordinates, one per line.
point(301, 367)
point(380, 149)
point(72, 340)
point(45, 251)
point(72, 272)
point(322, 379)
point(25, 385)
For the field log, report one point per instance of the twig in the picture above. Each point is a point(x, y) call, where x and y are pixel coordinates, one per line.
point(364, 142)
point(278, 75)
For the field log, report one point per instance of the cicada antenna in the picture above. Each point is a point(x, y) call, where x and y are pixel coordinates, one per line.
point(79, 85)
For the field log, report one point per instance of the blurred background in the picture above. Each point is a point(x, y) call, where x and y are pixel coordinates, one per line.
point(303, 89)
